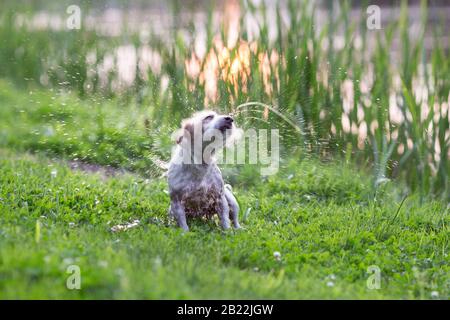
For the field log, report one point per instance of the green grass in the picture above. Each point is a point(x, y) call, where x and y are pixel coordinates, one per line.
point(326, 220)
point(330, 221)
point(321, 221)
point(96, 130)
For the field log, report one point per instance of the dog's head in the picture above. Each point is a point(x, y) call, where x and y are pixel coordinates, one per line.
point(207, 131)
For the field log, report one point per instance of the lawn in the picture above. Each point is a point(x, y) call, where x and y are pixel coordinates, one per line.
point(360, 206)
point(311, 231)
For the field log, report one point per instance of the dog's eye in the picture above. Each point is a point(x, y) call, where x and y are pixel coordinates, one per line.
point(208, 118)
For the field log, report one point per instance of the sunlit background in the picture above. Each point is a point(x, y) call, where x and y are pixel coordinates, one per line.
point(375, 97)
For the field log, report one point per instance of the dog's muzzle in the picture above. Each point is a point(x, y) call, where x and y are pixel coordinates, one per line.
point(226, 124)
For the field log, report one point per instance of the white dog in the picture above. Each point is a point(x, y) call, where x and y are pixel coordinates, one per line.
point(196, 186)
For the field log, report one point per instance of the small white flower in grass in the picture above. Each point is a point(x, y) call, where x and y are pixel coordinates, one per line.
point(72, 224)
point(277, 255)
point(330, 284)
point(434, 294)
point(135, 223)
point(54, 173)
point(157, 262)
point(117, 228)
point(124, 227)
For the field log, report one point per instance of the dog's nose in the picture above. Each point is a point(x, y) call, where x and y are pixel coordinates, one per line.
point(229, 119)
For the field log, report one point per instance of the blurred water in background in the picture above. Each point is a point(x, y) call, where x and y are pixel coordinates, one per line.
point(151, 19)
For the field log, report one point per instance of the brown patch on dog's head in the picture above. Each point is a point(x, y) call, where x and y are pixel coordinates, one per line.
point(201, 122)
point(187, 130)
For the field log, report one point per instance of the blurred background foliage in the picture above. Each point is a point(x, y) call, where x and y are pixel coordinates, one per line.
point(378, 98)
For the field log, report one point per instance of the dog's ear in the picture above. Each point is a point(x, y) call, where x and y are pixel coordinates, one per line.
point(179, 138)
point(187, 131)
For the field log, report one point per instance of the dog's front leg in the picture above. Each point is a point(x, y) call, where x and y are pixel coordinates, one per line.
point(224, 213)
point(177, 211)
point(234, 207)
